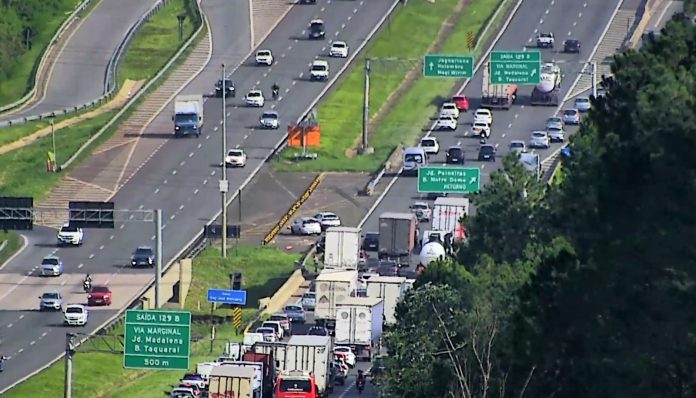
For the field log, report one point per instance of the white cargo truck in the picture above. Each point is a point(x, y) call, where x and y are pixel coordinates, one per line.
point(312, 354)
point(342, 248)
point(390, 289)
point(447, 212)
point(188, 115)
point(359, 325)
point(332, 287)
point(231, 380)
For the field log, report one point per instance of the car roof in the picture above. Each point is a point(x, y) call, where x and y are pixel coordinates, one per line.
point(254, 91)
point(144, 248)
point(320, 62)
point(537, 132)
point(429, 139)
point(50, 292)
point(269, 113)
point(264, 50)
point(570, 110)
point(517, 142)
point(75, 306)
point(487, 146)
point(483, 110)
point(554, 118)
point(51, 257)
point(583, 99)
point(316, 21)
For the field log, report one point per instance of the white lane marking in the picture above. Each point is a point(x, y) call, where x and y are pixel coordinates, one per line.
point(141, 207)
point(122, 226)
point(580, 15)
point(322, 9)
point(9, 326)
point(509, 125)
point(191, 154)
point(205, 181)
point(207, 137)
point(44, 334)
point(101, 247)
point(111, 237)
point(282, 55)
point(541, 21)
point(294, 82)
point(258, 82)
point(350, 17)
point(79, 266)
point(91, 256)
point(301, 74)
point(173, 172)
point(173, 216)
point(355, 11)
point(21, 316)
point(503, 136)
point(569, 33)
point(183, 162)
point(164, 182)
point(32, 342)
point(63, 283)
point(216, 127)
point(212, 173)
point(181, 207)
point(157, 190)
point(575, 23)
point(343, 26)
point(547, 11)
point(195, 191)
point(153, 237)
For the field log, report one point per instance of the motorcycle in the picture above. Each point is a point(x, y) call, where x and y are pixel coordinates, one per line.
point(360, 384)
point(275, 93)
point(87, 286)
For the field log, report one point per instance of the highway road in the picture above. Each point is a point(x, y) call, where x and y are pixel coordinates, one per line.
point(582, 20)
point(179, 176)
point(78, 74)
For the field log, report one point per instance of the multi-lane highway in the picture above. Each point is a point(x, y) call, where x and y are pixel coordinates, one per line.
point(583, 20)
point(178, 176)
point(77, 76)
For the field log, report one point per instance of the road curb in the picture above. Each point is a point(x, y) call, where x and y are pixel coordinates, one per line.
point(25, 242)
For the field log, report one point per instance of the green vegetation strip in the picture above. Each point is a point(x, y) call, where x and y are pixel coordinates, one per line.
point(23, 171)
point(264, 269)
point(410, 34)
point(17, 65)
point(14, 242)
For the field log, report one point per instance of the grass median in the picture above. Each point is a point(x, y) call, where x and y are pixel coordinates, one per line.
point(411, 34)
point(10, 242)
point(264, 270)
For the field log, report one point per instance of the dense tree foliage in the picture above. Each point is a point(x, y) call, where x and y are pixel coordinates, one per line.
point(588, 286)
point(22, 19)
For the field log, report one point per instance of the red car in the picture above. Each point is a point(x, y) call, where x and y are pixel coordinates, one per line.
point(100, 295)
point(462, 102)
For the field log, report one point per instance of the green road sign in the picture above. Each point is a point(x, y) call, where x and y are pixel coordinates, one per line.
point(515, 67)
point(157, 340)
point(456, 66)
point(449, 179)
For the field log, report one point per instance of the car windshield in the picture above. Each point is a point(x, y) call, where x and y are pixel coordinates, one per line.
point(265, 330)
point(554, 130)
point(421, 206)
point(309, 295)
point(100, 289)
point(235, 153)
point(487, 149)
point(142, 251)
point(51, 296)
point(50, 261)
point(293, 308)
point(455, 151)
point(569, 113)
point(270, 115)
point(279, 318)
point(427, 142)
point(254, 94)
point(458, 98)
point(295, 386)
point(538, 135)
point(480, 125)
point(413, 157)
point(68, 229)
point(329, 216)
point(517, 145)
point(342, 349)
point(582, 100)
point(73, 310)
point(263, 53)
point(449, 106)
point(316, 26)
point(339, 45)
point(319, 67)
point(481, 113)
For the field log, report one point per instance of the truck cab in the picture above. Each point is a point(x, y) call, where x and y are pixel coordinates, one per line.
point(296, 384)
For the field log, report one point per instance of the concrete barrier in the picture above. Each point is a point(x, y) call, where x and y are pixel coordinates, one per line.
point(273, 304)
point(174, 276)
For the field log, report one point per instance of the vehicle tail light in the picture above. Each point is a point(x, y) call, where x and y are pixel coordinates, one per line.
point(89, 296)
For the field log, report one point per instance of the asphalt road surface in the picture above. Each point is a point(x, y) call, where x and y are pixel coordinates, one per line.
point(180, 176)
point(78, 73)
point(582, 20)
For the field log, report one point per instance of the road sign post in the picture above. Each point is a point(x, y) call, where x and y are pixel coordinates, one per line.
point(454, 66)
point(157, 340)
point(515, 67)
point(224, 296)
point(449, 179)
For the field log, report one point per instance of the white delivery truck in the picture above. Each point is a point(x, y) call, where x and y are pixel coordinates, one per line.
point(447, 211)
point(342, 248)
point(188, 115)
point(359, 325)
point(232, 380)
point(310, 354)
point(332, 287)
point(390, 289)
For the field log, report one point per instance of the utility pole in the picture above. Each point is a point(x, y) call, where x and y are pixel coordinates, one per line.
point(223, 183)
point(366, 105)
point(158, 255)
point(69, 352)
point(53, 138)
point(239, 199)
point(593, 74)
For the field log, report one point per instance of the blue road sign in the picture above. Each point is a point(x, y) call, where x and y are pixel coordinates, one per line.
point(224, 296)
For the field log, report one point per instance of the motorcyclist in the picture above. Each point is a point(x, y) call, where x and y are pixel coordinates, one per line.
point(360, 383)
point(88, 278)
point(87, 283)
point(2, 361)
point(275, 88)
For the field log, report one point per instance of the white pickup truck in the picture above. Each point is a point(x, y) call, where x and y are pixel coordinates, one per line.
point(70, 235)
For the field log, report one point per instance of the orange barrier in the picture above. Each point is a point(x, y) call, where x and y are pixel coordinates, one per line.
point(312, 135)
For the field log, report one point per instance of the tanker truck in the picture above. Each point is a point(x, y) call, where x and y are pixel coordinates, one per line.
point(547, 92)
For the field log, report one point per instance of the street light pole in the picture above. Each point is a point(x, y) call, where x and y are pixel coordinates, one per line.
point(593, 74)
point(223, 182)
point(366, 105)
point(69, 351)
point(158, 254)
point(53, 138)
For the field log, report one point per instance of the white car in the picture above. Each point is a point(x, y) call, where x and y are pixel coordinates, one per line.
point(264, 57)
point(481, 129)
point(446, 122)
point(269, 335)
point(422, 208)
point(305, 226)
point(328, 219)
point(235, 158)
point(75, 315)
point(518, 146)
point(583, 104)
point(51, 266)
point(319, 70)
point(269, 120)
point(277, 326)
point(555, 134)
point(348, 354)
point(70, 235)
point(483, 115)
point(545, 40)
point(309, 300)
point(255, 98)
point(430, 145)
point(539, 139)
point(339, 49)
point(449, 109)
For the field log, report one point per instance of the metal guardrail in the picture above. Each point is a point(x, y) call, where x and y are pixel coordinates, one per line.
point(110, 77)
point(68, 21)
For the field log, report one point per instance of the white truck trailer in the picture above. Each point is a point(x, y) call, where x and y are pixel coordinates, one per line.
point(390, 289)
point(342, 248)
point(332, 287)
point(188, 115)
point(231, 380)
point(359, 325)
point(311, 354)
point(447, 211)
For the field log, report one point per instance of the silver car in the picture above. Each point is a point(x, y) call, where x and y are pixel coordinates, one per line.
point(309, 301)
point(269, 120)
point(51, 266)
point(554, 122)
point(583, 104)
point(555, 134)
point(518, 146)
point(571, 116)
point(539, 139)
point(50, 301)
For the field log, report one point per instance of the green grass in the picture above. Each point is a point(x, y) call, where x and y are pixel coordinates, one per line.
point(412, 32)
point(14, 242)
point(22, 80)
point(264, 270)
point(158, 41)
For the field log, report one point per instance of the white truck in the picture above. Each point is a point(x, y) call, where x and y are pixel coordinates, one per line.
point(233, 380)
point(188, 115)
point(359, 325)
point(310, 354)
point(70, 235)
point(390, 289)
point(342, 248)
point(447, 211)
point(332, 288)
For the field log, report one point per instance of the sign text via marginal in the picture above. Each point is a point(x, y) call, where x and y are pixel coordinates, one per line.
point(157, 340)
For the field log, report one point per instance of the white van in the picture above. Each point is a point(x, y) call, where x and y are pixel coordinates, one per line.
point(414, 158)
